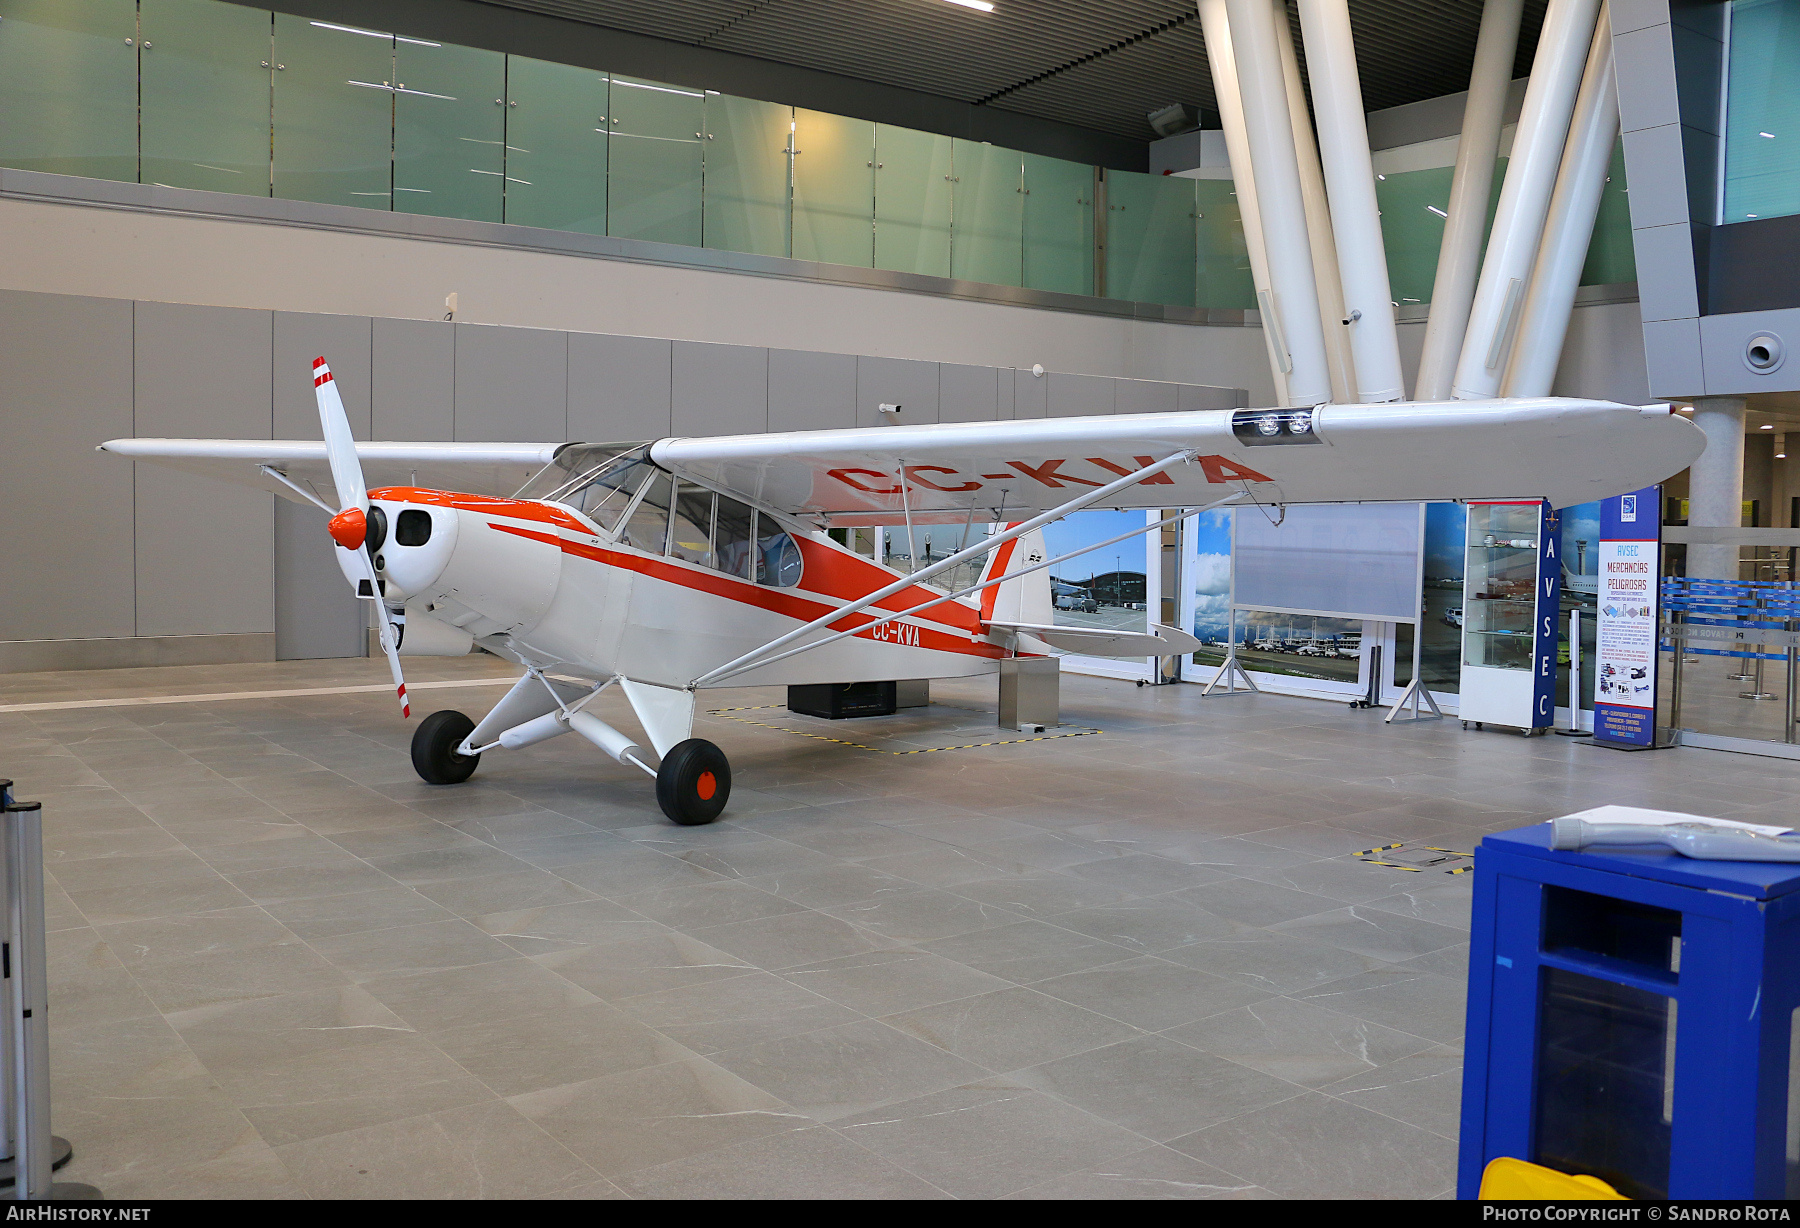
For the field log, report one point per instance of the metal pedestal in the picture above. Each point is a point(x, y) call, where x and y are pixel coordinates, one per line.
point(1030, 693)
point(25, 1011)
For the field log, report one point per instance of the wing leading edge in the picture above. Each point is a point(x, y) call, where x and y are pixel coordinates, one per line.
point(1564, 450)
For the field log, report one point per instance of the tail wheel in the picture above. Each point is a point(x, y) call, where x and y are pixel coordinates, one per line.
point(434, 746)
point(693, 783)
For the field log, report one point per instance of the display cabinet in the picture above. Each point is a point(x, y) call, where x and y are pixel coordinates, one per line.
point(1512, 590)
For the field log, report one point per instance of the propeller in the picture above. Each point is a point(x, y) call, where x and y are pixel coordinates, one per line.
point(350, 527)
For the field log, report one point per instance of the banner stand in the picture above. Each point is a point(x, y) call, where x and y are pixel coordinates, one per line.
point(1628, 621)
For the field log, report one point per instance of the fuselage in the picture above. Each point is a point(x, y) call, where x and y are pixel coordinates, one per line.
point(541, 584)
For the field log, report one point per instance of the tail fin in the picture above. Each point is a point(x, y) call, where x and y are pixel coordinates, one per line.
point(1023, 599)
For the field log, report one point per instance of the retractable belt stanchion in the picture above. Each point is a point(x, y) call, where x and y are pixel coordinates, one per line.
point(25, 1009)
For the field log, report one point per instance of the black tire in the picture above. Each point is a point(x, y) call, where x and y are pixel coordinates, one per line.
point(434, 746)
point(694, 782)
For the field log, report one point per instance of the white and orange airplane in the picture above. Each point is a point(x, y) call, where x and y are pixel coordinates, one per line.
point(676, 565)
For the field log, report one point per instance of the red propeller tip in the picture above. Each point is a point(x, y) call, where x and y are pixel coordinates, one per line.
point(349, 527)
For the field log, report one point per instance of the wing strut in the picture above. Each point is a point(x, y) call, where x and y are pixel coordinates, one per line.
point(945, 564)
point(976, 588)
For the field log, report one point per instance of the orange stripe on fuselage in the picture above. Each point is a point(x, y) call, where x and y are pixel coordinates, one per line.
point(776, 601)
point(484, 505)
point(1002, 559)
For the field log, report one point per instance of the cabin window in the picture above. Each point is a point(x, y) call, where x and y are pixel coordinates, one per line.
point(731, 538)
point(777, 557)
point(648, 528)
point(690, 533)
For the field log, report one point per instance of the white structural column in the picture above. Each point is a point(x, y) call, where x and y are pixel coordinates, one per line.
point(1318, 215)
point(1716, 485)
point(1525, 197)
point(1290, 305)
point(1471, 186)
point(1544, 322)
point(1216, 27)
point(1350, 184)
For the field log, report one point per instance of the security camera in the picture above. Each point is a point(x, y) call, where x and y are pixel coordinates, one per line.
point(890, 412)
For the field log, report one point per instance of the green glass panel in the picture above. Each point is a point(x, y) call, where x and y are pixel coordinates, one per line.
point(1412, 229)
point(1610, 258)
point(333, 113)
point(987, 230)
point(205, 95)
point(1059, 225)
point(556, 124)
point(68, 87)
point(834, 189)
point(1150, 235)
point(746, 192)
point(1412, 225)
point(1224, 278)
point(1762, 111)
point(449, 130)
point(654, 163)
point(912, 201)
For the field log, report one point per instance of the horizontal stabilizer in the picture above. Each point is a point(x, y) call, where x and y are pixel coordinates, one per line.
point(1159, 641)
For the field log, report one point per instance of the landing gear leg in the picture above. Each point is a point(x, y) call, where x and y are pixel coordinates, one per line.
point(694, 782)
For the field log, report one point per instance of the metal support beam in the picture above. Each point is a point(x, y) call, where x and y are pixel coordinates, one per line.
point(1216, 27)
point(1544, 322)
point(1472, 184)
point(1339, 361)
point(1355, 215)
point(1525, 197)
point(954, 560)
point(1291, 304)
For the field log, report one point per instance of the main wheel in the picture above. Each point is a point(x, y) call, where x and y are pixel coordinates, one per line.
point(434, 748)
point(693, 782)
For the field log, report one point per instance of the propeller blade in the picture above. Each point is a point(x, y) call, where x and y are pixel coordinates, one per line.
point(350, 527)
point(340, 445)
point(384, 626)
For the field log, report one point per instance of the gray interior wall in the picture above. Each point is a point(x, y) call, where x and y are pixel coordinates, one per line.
point(65, 380)
point(181, 569)
point(204, 563)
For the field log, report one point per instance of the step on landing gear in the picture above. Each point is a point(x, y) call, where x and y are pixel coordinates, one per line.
point(434, 746)
point(694, 782)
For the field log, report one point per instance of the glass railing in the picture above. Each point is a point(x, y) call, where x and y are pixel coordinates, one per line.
point(211, 95)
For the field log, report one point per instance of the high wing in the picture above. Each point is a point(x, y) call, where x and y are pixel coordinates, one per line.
point(1564, 450)
point(473, 468)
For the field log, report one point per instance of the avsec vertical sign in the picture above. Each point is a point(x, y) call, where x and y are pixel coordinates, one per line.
point(1625, 644)
point(1548, 618)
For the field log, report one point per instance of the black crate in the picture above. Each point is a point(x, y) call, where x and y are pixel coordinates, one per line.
point(836, 701)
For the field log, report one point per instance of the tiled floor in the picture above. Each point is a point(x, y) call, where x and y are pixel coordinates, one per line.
point(1138, 964)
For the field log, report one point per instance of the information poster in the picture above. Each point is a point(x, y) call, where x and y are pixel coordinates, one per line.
point(1625, 648)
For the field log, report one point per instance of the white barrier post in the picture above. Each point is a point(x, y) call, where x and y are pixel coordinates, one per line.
point(26, 1009)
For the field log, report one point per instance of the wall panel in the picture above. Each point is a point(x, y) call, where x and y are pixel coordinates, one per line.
point(809, 391)
point(719, 389)
point(896, 381)
point(68, 508)
point(205, 549)
point(968, 394)
point(412, 380)
point(511, 383)
point(618, 387)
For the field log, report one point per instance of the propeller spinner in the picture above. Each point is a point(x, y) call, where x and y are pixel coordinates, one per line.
point(350, 527)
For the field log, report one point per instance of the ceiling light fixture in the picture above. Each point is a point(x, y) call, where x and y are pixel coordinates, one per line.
point(981, 5)
point(1767, 426)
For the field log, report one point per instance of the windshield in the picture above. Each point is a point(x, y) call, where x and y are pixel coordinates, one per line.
point(575, 464)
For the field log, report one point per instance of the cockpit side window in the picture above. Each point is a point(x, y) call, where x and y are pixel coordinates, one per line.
point(648, 528)
point(778, 561)
point(731, 538)
point(690, 536)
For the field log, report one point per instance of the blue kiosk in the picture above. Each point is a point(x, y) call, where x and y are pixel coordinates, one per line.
point(1632, 1017)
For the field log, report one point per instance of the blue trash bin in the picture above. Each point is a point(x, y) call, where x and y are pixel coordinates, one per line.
point(1631, 1017)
